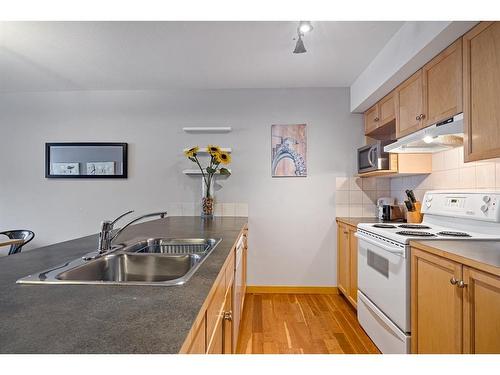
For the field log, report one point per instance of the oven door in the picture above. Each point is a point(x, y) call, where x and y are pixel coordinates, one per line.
point(367, 158)
point(383, 277)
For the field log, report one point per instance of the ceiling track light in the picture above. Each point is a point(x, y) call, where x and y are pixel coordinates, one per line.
point(303, 28)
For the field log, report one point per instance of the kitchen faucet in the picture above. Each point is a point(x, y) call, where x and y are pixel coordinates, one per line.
point(106, 238)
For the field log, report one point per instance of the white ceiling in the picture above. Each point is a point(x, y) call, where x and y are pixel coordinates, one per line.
point(53, 56)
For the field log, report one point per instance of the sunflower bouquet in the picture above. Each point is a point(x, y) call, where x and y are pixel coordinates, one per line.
point(217, 159)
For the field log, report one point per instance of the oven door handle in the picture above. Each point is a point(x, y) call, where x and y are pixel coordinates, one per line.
point(390, 249)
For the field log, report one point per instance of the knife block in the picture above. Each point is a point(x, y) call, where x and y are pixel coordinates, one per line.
point(415, 217)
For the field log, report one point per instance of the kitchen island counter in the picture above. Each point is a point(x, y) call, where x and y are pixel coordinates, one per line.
point(108, 319)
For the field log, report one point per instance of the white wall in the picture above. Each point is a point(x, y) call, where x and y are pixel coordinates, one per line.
point(410, 48)
point(292, 220)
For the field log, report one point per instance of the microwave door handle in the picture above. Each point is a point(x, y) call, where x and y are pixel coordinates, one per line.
point(387, 248)
point(370, 159)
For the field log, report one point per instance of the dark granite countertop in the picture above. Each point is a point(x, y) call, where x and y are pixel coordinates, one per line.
point(107, 319)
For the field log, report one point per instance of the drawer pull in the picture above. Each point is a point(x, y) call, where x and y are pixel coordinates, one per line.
point(453, 281)
point(228, 315)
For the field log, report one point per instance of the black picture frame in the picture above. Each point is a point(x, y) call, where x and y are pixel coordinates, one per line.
point(124, 160)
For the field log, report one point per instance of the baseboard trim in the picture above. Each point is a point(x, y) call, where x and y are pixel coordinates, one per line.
point(285, 289)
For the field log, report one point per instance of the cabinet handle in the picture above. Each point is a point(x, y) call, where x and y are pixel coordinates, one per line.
point(376, 119)
point(461, 284)
point(420, 117)
point(453, 281)
point(228, 315)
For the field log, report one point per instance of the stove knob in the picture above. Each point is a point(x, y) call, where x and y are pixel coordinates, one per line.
point(484, 208)
point(486, 199)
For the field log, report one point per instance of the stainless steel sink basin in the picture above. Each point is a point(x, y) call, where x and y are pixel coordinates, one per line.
point(133, 267)
point(157, 261)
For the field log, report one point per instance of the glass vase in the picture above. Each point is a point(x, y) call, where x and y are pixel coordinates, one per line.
point(207, 198)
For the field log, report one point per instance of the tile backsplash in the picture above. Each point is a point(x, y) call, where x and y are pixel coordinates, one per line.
point(357, 197)
point(194, 209)
point(450, 172)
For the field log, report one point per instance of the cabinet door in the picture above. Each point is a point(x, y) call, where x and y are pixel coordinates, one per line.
point(481, 62)
point(198, 343)
point(371, 119)
point(238, 290)
point(442, 84)
point(227, 324)
point(387, 109)
point(436, 303)
point(353, 268)
point(244, 269)
point(216, 344)
point(481, 312)
point(343, 259)
point(409, 105)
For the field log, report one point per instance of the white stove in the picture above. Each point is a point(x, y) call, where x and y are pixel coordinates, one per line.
point(384, 261)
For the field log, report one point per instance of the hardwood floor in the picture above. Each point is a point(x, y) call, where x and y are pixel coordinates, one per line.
point(301, 324)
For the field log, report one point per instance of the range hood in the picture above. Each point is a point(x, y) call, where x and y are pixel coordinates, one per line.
point(442, 136)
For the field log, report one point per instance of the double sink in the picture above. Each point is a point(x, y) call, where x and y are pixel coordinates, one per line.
point(156, 261)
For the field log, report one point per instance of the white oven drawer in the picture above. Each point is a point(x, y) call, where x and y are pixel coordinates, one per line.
point(383, 276)
point(388, 338)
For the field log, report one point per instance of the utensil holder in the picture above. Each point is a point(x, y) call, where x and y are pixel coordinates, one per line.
point(415, 217)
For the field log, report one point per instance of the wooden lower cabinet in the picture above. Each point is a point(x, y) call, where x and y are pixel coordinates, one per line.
point(227, 325)
point(216, 345)
point(347, 262)
point(213, 332)
point(199, 340)
point(342, 258)
point(454, 308)
point(481, 312)
point(436, 322)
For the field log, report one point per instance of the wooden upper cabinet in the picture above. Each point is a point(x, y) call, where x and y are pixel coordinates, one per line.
point(436, 315)
point(380, 114)
point(442, 85)
point(409, 105)
point(387, 109)
point(371, 119)
point(481, 312)
point(481, 78)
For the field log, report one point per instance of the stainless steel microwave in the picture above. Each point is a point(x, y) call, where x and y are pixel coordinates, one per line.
point(372, 157)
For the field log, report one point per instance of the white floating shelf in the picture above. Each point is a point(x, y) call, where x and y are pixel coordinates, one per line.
point(196, 172)
point(203, 150)
point(207, 129)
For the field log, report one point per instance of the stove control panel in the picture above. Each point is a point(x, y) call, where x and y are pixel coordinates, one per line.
point(472, 205)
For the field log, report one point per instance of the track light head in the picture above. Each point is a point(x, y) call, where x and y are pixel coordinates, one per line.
point(299, 47)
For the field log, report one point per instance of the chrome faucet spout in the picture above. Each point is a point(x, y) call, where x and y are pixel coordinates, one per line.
point(106, 237)
point(120, 231)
